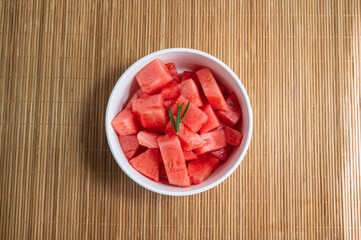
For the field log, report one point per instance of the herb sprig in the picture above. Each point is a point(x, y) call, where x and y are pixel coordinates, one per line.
point(179, 118)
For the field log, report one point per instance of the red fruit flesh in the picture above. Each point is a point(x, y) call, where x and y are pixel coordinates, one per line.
point(189, 155)
point(152, 117)
point(212, 141)
point(211, 89)
point(189, 139)
point(233, 136)
point(189, 90)
point(153, 76)
point(171, 91)
point(129, 105)
point(223, 153)
point(194, 118)
point(129, 144)
point(125, 123)
point(200, 169)
point(191, 75)
point(173, 71)
point(148, 139)
point(141, 94)
point(212, 120)
point(153, 101)
point(174, 161)
point(147, 164)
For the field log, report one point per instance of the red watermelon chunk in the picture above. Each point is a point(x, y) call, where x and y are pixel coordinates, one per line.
point(212, 120)
point(141, 94)
point(233, 136)
point(189, 90)
point(223, 153)
point(168, 103)
point(173, 71)
point(171, 90)
point(129, 144)
point(189, 155)
point(234, 112)
point(212, 141)
point(125, 123)
point(154, 101)
point(129, 105)
point(153, 76)
point(147, 164)
point(174, 162)
point(152, 117)
point(158, 130)
point(191, 75)
point(200, 169)
point(232, 100)
point(148, 139)
point(189, 139)
point(211, 89)
point(194, 119)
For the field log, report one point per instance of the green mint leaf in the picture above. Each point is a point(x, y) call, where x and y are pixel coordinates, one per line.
point(185, 111)
point(172, 119)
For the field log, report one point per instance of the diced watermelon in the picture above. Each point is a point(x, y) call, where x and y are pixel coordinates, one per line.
point(129, 144)
point(211, 89)
point(194, 118)
point(174, 162)
point(223, 153)
point(125, 123)
point(154, 101)
point(141, 94)
point(189, 139)
point(212, 121)
point(158, 130)
point(147, 164)
point(129, 105)
point(173, 71)
point(234, 112)
point(191, 75)
point(221, 87)
point(168, 103)
point(171, 90)
point(189, 90)
point(153, 76)
point(200, 169)
point(160, 157)
point(212, 141)
point(189, 155)
point(152, 117)
point(233, 136)
point(162, 171)
point(148, 139)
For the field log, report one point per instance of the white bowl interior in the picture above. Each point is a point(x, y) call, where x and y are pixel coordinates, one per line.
point(184, 59)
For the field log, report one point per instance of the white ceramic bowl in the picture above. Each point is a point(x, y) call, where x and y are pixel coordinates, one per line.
point(184, 59)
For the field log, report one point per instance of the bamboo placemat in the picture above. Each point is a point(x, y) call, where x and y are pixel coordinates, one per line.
point(299, 61)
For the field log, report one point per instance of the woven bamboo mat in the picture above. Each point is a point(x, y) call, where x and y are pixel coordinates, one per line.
point(299, 61)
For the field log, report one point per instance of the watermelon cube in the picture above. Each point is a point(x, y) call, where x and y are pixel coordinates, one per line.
point(189, 155)
point(153, 101)
point(152, 117)
point(200, 169)
point(174, 162)
point(173, 71)
point(233, 114)
point(141, 94)
point(189, 90)
point(148, 139)
point(147, 164)
point(212, 141)
point(211, 89)
point(129, 144)
point(223, 153)
point(168, 103)
point(190, 140)
point(191, 75)
point(194, 118)
point(125, 123)
point(129, 105)
point(212, 120)
point(153, 76)
point(171, 90)
point(233, 136)
point(158, 130)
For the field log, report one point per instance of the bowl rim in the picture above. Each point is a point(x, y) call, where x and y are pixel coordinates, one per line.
point(233, 168)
